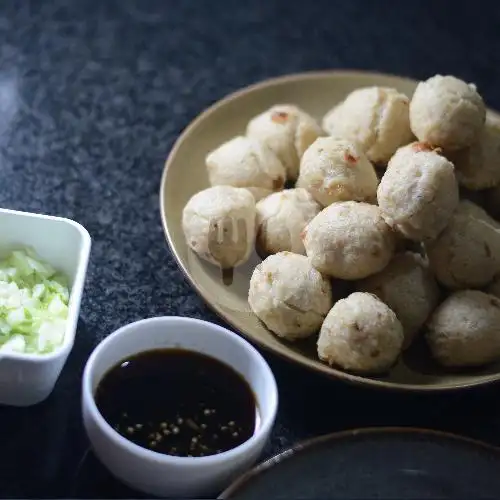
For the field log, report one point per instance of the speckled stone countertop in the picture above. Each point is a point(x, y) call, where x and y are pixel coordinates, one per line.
point(93, 95)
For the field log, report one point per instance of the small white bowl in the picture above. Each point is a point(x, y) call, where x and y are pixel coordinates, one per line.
point(27, 379)
point(163, 475)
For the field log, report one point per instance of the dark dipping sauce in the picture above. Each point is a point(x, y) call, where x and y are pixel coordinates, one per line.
point(178, 402)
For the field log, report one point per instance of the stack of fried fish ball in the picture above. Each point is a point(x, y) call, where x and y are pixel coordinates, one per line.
point(421, 257)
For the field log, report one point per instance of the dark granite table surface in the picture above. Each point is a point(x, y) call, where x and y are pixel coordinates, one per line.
point(92, 96)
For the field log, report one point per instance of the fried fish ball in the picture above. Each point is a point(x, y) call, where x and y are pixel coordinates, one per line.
point(288, 131)
point(418, 192)
point(467, 253)
point(361, 334)
point(447, 112)
point(349, 240)
point(377, 118)
point(247, 163)
point(289, 296)
point(408, 287)
point(281, 218)
point(465, 329)
point(337, 170)
point(219, 225)
point(478, 167)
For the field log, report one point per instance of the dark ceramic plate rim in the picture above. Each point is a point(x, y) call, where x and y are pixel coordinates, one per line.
point(327, 371)
point(267, 466)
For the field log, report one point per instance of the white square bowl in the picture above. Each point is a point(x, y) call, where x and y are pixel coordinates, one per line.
point(27, 379)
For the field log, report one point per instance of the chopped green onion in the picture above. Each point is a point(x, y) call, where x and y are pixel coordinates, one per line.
point(33, 304)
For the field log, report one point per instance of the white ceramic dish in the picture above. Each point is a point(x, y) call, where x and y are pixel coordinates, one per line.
point(163, 475)
point(27, 379)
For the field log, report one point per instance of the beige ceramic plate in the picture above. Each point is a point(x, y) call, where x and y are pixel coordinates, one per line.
point(184, 175)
